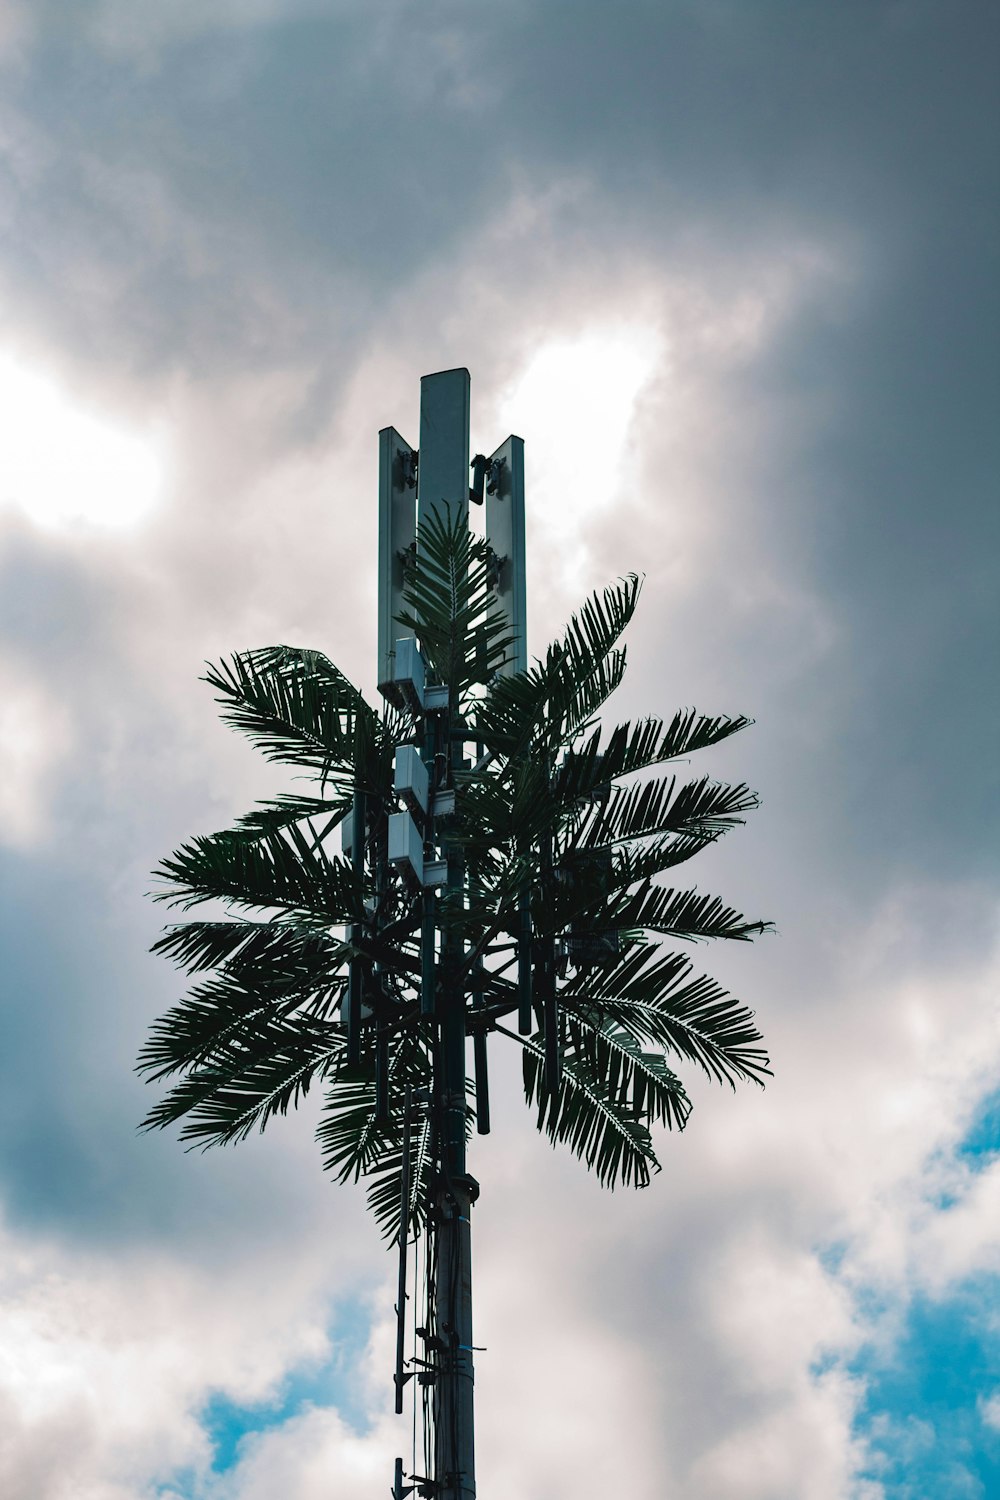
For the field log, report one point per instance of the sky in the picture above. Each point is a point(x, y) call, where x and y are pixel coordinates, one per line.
point(731, 271)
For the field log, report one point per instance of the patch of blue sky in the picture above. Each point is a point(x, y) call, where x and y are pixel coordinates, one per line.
point(927, 1420)
point(976, 1150)
point(337, 1382)
point(832, 1256)
point(983, 1136)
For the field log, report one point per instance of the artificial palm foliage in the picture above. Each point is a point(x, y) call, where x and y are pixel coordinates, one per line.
point(561, 833)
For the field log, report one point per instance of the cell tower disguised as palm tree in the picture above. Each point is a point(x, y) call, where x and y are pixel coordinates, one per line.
point(478, 859)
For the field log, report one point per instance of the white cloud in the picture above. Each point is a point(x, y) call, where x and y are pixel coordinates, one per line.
point(963, 1239)
point(312, 1456)
point(798, 1448)
point(105, 1361)
point(579, 393)
point(781, 1311)
point(61, 462)
point(989, 1410)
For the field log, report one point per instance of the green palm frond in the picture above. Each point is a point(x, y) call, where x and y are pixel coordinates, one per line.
point(506, 717)
point(605, 1130)
point(322, 814)
point(595, 630)
point(449, 604)
point(660, 1001)
point(629, 1074)
point(703, 809)
point(586, 666)
point(630, 864)
point(608, 889)
point(571, 705)
point(295, 706)
point(630, 748)
point(356, 1143)
point(244, 1056)
point(547, 706)
point(275, 871)
point(683, 914)
point(197, 946)
point(386, 1179)
point(244, 994)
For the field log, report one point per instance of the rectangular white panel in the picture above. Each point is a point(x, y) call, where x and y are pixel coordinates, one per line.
point(443, 470)
point(406, 847)
point(410, 779)
point(408, 675)
point(397, 516)
point(505, 534)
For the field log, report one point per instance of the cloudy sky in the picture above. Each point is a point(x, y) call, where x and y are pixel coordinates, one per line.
point(730, 269)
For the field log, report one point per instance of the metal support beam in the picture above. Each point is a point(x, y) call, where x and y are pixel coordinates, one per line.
point(404, 1236)
point(480, 1064)
point(381, 1076)
point(353, 996)
point(524, 989)
point(482, 1083)
point(399, 1489)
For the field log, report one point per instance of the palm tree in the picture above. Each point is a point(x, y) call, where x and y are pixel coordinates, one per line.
point(338, 970)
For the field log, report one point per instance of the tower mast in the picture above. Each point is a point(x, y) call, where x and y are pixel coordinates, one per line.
point(414, 484)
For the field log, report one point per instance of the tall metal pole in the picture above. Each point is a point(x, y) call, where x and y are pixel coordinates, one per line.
point(441, 467)
point(454, 1425)
point(443, 481)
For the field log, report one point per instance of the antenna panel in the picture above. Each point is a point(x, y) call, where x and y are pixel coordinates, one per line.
point(397, 515)
point(505, 534)
point(443, 477)
point(410, 778)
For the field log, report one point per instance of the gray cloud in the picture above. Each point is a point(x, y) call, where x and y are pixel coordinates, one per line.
point(263, 227)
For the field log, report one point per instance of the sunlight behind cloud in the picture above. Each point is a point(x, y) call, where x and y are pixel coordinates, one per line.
point(577, 398)
point(61, 464)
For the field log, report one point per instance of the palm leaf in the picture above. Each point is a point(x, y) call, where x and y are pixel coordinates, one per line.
point(629, 1074)
point(603, 1131)
point(540, 710)
point(660, 1002)
point(322, 812)
point(386, 1178)
point(684, 914)
point(243, 1058)
point(463, 634)
point(274, 871)
point(588, 769)
point(704, 809)
point(196, 946)
point(356, 1143)
point(295, 706)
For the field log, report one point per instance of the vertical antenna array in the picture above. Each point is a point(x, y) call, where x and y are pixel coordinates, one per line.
point(414, 484)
